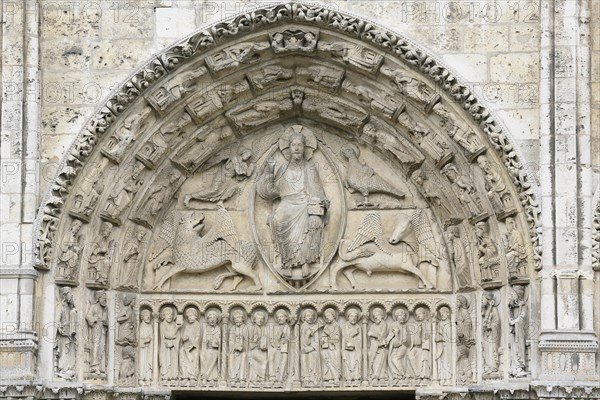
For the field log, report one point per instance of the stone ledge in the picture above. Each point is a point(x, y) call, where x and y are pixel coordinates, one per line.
point(581, 341)
point(6, 273)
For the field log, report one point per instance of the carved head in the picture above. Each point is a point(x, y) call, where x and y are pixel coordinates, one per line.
point(462, 301)
point(75, 227)
point(297, 143)
point(517, 295)
point(245, 153)
point(451, 172)
point(140, 234)
point(377, 314)
point(330, 315)
point(352, 315)
point(370, 130)
point(444, 313)
point(418, 177)
point(278, 38)
point(308, 315)
point(146, 315)
point(191, 315)
point(420, 314)
point(193, 222)
point(488, 299)
point(238, 317)
point(511, 224)
point(167, 314)
point(106, 229)
point(128, 352)
point(212, 317)
point(401, 315)
point(349, 152)
point(259, 317)
point(452, 232)
point(483, 162)
point(128, 300)
point(67, 295)
point(482, 229)
point(281, 316)
point(173, 178)
point(101, 297)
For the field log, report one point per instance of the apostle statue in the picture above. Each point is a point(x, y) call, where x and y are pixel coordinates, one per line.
point(211, 347)
point(280, 342)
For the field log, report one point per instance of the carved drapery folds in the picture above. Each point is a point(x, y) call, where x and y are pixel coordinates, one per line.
point(313, 146)
point(326, 344)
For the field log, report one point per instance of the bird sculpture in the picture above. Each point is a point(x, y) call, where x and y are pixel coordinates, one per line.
point(362, 179)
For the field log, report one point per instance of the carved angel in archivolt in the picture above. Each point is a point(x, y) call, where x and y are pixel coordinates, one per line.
point(516, 251)
point(70, 252)
point(158, 195)
point(465, 191)
point(293, 41)
point(101, 256)
point(375, 136)
point(225, 183)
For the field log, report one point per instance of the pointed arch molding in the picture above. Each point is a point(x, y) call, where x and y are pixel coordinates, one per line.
point(342, 44)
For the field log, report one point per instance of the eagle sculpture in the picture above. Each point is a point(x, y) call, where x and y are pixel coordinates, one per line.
point(362, 179)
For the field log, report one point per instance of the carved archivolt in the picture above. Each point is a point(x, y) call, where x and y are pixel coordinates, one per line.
point(292, 151)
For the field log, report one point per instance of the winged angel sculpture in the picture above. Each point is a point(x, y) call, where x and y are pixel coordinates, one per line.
point(181, 247)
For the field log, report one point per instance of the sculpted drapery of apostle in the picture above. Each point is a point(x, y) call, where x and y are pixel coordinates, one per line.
point(300, 204)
